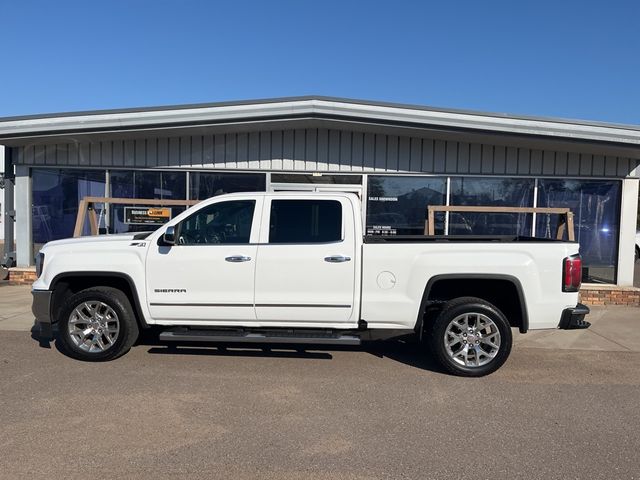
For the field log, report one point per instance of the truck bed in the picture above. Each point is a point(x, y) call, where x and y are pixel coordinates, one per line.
point(457, 239)
point(396, 269)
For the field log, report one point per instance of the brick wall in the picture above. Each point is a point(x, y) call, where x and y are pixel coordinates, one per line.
point(22, 276)
point(610, 295)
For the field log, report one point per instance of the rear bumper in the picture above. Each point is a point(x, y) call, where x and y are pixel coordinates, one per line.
point(573, 318)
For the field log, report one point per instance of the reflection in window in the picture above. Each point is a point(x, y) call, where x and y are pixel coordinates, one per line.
point(220, 223)
point(596, 208)
point(507, 192)
point(203, 185)
point(397, 205)
point(56, 195)
point(147, 185)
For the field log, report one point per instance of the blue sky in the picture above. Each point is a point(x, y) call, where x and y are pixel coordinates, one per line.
point(575, 59)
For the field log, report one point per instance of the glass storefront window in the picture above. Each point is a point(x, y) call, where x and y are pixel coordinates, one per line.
point(596, 208)
point(499, 192)
point(324, 179)
point(56, 194)
point(144, 184)
point(397, 205)
point(203, 185)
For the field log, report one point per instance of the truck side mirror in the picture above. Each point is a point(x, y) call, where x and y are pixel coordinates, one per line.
point(169, 236)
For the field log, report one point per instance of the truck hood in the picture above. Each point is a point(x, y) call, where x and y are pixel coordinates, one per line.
point(77, 241)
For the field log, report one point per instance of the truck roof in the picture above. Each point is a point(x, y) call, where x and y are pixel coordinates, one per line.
point(288, 193)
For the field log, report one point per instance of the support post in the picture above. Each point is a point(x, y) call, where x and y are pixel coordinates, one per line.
point(560, 227)
point(93, 220)
point(9, 205)
point(571, 236)
point(627, 239)
point(24, 237)
point(431, 223)
point(82, 213)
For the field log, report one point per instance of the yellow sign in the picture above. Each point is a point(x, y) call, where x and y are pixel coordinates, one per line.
point(160, 212)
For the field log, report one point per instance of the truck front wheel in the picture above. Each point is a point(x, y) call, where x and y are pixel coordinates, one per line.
point(470, 337)
point(97, 324)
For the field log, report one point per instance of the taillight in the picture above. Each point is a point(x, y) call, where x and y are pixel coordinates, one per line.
point(572, 273)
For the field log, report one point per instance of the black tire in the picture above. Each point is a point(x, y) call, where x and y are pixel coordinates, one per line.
point(119, 303)
point(637, 253)
point(436, 336)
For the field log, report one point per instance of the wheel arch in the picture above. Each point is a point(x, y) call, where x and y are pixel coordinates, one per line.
point(475, 284)
point(66, 284)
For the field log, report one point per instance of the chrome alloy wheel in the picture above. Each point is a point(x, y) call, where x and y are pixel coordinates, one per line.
point(472, 339)
point(93, 326)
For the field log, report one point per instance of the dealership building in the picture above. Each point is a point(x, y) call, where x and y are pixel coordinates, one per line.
point(399, 158)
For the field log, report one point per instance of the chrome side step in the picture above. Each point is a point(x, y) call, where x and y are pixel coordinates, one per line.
point(273, 336)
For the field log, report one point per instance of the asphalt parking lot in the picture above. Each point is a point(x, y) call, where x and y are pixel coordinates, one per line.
point(379, 412)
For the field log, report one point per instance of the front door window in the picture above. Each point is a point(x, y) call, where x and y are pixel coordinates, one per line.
point(220, 223)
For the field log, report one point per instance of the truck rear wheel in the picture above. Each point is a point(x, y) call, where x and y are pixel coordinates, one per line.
point(470, 337)
point(97, 324)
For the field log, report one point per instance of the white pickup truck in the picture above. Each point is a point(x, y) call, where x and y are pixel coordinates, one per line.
point(295, 268)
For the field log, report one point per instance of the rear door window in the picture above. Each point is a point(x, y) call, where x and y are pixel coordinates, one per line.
point(305, 221)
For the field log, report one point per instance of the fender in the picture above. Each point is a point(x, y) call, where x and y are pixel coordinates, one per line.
point(120, 275)
point(524, 327)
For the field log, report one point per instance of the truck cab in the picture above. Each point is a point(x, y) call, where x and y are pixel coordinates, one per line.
point(259, 260)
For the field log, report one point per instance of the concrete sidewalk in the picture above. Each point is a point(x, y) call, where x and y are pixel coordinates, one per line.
point(613, 329)
point(15, 308)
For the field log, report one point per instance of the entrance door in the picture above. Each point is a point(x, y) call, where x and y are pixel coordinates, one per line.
point(209, 273)
point(306, 269)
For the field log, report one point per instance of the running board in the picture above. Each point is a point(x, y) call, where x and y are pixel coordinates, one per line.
point(284, 337)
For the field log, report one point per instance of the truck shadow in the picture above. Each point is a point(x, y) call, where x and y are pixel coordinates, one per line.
point(406, 350)
point(411, 353)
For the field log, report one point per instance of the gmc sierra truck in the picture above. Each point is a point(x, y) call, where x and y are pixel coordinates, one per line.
point(295, 268)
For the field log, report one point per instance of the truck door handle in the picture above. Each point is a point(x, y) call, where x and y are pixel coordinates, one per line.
point(337, 259)
point(237, 258)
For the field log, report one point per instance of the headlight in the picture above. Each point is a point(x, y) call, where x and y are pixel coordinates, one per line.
point(39, 264)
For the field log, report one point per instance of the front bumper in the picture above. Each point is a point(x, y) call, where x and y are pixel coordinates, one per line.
point(41, 308)
point(573, 318)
